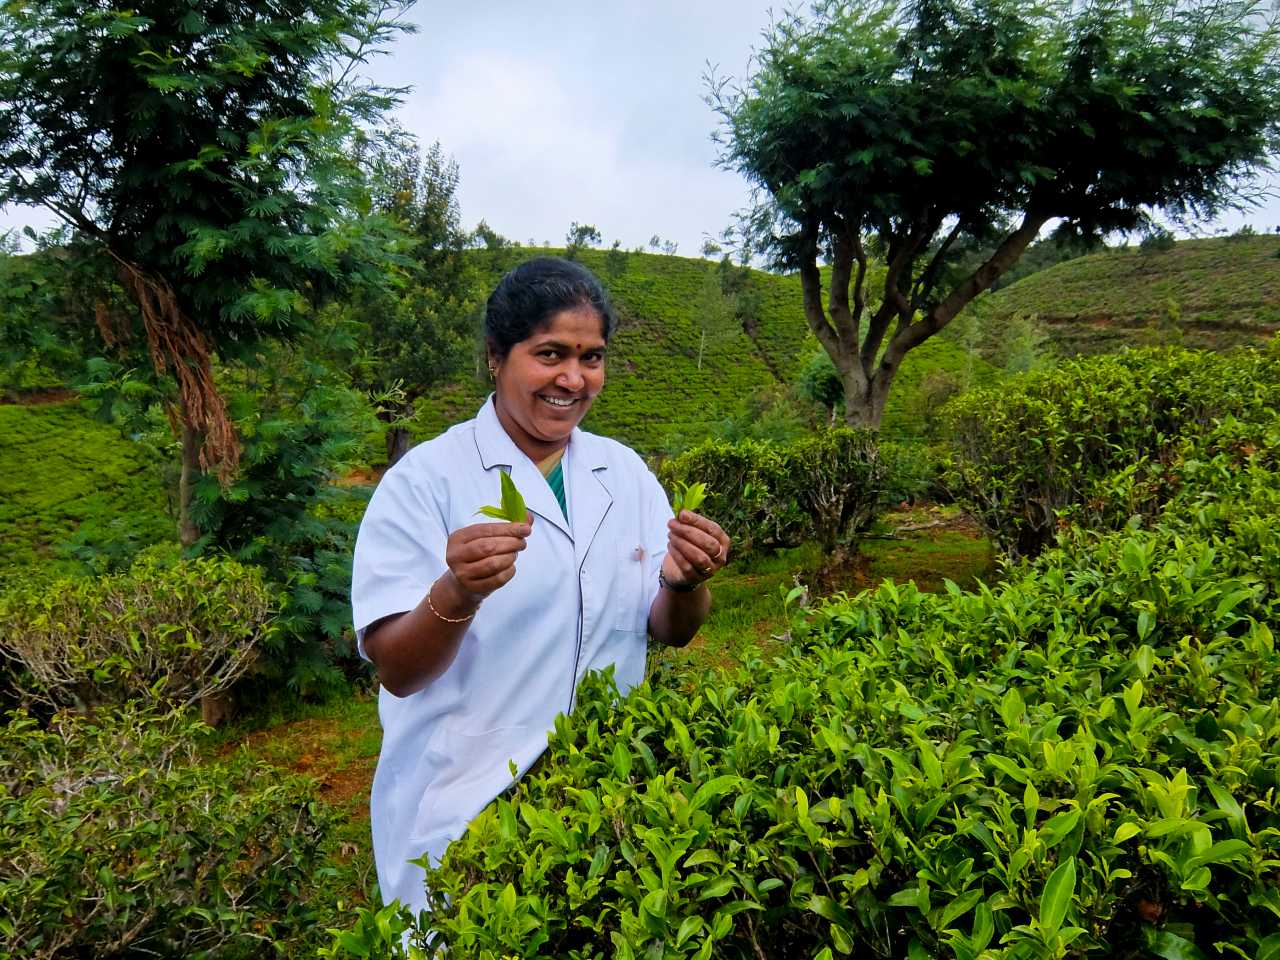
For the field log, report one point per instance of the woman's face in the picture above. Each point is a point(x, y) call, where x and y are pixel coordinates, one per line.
point(546, 383)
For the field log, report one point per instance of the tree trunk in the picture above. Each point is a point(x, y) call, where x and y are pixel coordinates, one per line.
point(863, 407)
point(188, 532)
point(397, 444)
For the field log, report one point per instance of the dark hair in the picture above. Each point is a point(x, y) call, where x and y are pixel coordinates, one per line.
point(526, 299)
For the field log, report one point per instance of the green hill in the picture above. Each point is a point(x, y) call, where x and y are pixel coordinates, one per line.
point(655, 387)
point(66, 477)
point(1212, 293)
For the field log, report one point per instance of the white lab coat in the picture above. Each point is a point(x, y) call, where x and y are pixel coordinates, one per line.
point(579, 601)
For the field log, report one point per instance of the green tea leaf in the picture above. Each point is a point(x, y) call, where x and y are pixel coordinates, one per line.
point(1056, 898)
point(513, 509)
point(688, 496)
point(1172, 947)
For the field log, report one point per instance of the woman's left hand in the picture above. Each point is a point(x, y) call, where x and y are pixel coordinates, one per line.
point(696, 548)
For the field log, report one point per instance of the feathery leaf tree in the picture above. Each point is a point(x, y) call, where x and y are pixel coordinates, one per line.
point(201, 145)
point(893, 130)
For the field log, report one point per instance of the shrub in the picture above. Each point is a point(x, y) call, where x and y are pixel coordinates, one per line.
point(171, 632)
point(1046, 441)
point(825, 487)
point(114, 842)
point(1082, 761)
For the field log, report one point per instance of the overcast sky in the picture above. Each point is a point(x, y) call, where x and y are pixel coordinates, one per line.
point(594, 112)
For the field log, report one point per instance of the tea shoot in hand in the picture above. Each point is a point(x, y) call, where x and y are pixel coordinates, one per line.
point(688, 496)
point(513, 509)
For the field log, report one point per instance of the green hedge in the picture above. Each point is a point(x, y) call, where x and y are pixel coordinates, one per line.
point(161, 632)
point(1047, 441)
point(1083, 761)
point(114, 842)
point(825, 487)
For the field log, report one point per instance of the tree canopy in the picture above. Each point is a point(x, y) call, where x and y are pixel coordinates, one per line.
point(877, 128)
point(200, 145)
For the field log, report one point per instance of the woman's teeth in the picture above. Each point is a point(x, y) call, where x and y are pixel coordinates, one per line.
point(557, 402)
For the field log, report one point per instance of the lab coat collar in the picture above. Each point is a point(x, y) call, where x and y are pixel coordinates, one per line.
point(585, 466)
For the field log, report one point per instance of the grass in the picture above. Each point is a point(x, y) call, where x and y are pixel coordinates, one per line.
point(1211, 293)
point(64, 475)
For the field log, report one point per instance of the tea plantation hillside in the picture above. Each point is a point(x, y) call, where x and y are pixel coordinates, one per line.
point(655, 386)
point(67, 480)
point(1210, 294)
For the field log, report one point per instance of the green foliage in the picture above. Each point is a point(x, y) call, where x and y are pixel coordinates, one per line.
point(400, 340)
point(687, 496)
point(579, 237)
point(1082, 761)
point(513, 508)
point(1228, 294)
point(199, 141)
point(164, 633)
point(826, 487)
point(1049, 440)
point(66, 480)
point(116, 842)
point(44, 331)
point(283, 512)
point(922, 125)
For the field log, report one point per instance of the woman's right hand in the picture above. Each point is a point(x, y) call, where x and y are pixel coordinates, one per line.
point(482, 556)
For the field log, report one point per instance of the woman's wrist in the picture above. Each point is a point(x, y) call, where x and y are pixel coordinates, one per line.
point(453, 603)
point(677, 586)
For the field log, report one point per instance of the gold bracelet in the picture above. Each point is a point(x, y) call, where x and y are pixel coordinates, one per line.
point(441, 615)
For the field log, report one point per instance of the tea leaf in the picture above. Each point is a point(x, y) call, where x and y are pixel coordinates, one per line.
point(688, 496)
point(513, 509)
point(1055, 900)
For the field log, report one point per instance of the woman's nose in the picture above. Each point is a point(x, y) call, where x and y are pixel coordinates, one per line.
point(570, 378)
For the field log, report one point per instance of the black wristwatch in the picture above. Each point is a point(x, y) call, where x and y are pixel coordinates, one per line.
point(677, 587)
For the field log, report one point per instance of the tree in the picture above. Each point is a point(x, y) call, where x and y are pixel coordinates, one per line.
point(201, 147)
point(579, 237)
point(713, 312)
point(877, 128)
point(421, 332)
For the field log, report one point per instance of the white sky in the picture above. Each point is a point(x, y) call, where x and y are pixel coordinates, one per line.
point(568, 110)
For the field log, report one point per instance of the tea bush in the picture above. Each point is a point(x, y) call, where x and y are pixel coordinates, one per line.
point(1083, 761)
point(114, 843)
point(823, 487)
point(161, 632)
point(1048, 440)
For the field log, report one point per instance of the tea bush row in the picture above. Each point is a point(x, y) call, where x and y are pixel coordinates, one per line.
point(826, 487)
point(1048, 441)
point(115, 842)
point(159, 633)
point(1083, 761)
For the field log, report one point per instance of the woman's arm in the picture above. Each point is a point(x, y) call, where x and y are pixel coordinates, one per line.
point(412, 649)
point(696, 549)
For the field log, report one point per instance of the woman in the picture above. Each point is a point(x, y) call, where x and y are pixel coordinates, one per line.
point(480, 632)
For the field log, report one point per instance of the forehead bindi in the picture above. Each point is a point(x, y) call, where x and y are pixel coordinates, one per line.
point(581, 330)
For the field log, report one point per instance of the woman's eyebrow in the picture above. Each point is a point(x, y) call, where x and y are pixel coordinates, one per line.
point(562, 345)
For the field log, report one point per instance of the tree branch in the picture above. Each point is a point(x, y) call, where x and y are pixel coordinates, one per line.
point(928, 278)
point(811, 284)
point(845, 323)
point(1005, 256)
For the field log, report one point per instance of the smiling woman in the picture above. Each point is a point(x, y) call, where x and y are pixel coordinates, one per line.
point(475, 656)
